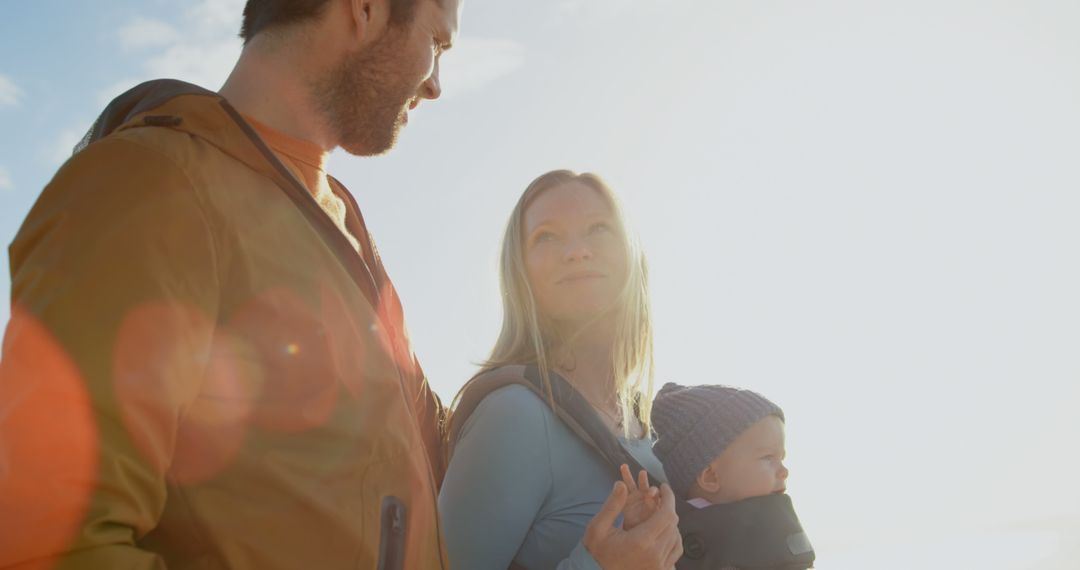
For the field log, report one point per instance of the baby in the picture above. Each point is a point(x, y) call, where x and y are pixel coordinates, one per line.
point(723, 453)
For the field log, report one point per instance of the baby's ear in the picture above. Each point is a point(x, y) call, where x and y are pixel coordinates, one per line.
point(708, 480)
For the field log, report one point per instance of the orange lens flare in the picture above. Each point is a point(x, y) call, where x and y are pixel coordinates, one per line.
point(297, 387)
point(48, 445)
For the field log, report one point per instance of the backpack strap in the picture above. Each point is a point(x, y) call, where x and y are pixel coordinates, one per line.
point(569, 406)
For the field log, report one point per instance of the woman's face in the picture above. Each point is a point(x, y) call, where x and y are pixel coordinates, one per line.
point(575, 253)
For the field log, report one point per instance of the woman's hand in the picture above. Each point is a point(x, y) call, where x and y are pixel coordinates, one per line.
point(642, 500)
point(654, 544)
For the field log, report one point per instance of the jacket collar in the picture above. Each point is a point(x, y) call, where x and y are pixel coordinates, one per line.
point(173, 104)
point(185, 107)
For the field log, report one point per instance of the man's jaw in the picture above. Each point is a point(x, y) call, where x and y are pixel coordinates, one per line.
point(404, 119)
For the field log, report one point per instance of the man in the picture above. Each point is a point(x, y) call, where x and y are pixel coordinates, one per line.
point(206, 364)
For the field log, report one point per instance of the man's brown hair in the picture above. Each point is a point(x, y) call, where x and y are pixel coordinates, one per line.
point(261, 15)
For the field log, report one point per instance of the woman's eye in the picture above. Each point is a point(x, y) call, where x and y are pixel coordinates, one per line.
point(546, 236)
point(599, 227)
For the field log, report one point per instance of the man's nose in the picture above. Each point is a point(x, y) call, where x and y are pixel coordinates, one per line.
point(783, 473)
point(432, 89)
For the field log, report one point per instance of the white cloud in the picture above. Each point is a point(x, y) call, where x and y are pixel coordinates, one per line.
point(147, 32)
point(6, 185)
point(476, 62)
point(9, 92)
point(217, 16)
point(204, 63)
point(200, 49)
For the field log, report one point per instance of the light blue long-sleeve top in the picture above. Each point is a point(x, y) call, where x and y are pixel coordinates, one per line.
point(522, 487)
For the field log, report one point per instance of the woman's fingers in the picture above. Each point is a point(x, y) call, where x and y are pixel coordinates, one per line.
point(664, 520)
point(667, 499)
point(628, 479)
point(655, 543)
point(610, 510)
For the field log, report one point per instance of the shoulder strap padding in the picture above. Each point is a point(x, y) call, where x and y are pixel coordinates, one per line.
point(564, 400)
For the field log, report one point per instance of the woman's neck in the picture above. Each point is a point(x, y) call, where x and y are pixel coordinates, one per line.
point(587, 361)
point(590, 371)
point(589, 365)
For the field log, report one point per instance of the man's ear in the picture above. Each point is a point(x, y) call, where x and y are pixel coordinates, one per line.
point(370, 19)
point(708, 480)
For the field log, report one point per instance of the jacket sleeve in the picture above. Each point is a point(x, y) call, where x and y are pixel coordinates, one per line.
point(114, 296)
point(432, 420)
point(497, 482)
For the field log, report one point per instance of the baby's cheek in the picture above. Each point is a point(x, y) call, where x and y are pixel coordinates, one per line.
point(764, 481)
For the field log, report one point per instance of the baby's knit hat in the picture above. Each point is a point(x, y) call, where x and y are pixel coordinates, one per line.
point(695, 424)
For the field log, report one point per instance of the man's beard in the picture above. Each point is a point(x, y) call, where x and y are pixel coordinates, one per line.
point(362, 99)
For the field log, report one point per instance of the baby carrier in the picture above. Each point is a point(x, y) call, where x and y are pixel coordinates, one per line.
point(762, 533)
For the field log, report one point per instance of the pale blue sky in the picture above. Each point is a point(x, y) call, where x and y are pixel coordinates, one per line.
point(865, 210)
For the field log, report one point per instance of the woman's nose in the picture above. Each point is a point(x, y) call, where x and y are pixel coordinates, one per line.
point(577, 250)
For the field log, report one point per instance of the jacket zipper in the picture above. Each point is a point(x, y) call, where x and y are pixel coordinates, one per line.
point(392, 535)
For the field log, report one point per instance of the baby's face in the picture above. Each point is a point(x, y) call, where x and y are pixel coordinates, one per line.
point(752, 466)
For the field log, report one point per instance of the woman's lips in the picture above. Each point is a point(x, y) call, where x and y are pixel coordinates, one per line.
point(581, 276)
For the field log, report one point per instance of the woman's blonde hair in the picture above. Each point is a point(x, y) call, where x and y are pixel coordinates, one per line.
point(528, 338)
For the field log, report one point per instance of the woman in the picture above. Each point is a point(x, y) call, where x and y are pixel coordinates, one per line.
point(521, 489)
